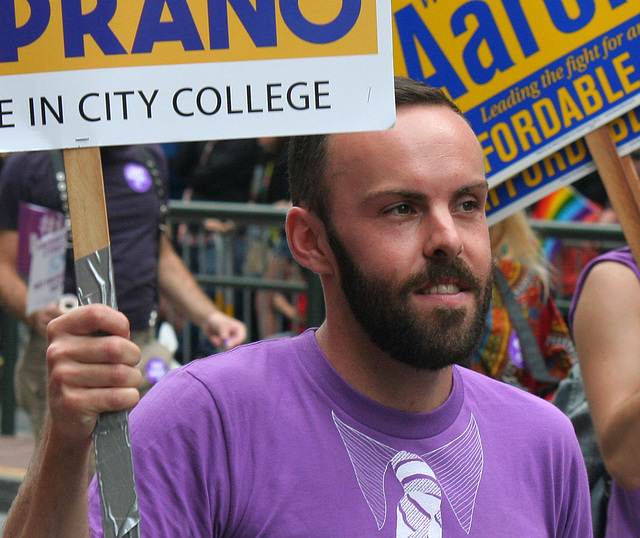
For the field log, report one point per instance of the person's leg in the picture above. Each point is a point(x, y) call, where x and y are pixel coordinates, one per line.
point(30, 381)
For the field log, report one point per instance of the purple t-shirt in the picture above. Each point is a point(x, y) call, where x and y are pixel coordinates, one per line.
point(268, 440)
point(623, 509)
point(132, 209)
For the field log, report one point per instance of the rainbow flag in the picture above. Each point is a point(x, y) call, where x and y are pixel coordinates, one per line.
point(565, 204)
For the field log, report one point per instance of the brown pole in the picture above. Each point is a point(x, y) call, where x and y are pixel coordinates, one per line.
point(91, 247)
point(87, 204)
point(621, 182)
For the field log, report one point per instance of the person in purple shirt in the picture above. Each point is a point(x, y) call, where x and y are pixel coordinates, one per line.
point(145, 264)
point(605, 321)
point(365, 426)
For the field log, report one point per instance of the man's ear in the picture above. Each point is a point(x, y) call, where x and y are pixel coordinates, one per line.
point(308, 241)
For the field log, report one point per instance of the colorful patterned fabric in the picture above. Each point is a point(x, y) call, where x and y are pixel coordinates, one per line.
point(567, 204)
point(499, 355)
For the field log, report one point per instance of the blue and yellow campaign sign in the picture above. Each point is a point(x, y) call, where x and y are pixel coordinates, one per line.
point(100, 72)
point(532, 76)
point(558, 170)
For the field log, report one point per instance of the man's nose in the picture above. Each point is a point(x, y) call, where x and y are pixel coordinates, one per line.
point(443, 238)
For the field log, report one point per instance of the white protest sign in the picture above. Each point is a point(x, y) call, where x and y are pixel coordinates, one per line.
point(111, 73)
point(46, 272)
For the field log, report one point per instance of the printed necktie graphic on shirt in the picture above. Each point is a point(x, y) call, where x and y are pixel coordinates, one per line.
point(450, 473)
point(418, 512)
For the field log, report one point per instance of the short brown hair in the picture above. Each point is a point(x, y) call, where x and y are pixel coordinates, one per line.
point(308, 154)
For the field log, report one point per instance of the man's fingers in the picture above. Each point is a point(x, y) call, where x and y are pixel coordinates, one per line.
point(89, 320)
point(88, 376)
point(92, 402)
point(74, 410)
point(91, 349)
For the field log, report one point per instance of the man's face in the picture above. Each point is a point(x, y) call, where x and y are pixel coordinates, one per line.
point(444, 336)
point(409, 235)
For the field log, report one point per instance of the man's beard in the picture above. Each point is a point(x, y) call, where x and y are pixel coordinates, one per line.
point(432, 341)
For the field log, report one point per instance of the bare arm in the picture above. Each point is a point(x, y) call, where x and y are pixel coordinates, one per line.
point(607, 335)
point(88, 375)
point(13, 289)
point(182, 290)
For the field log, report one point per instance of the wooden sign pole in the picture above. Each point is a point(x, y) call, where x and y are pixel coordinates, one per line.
point(87, 203)
point(91, 249)
point(621, 182)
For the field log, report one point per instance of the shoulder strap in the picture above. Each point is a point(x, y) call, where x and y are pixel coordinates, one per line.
point(528, 342)
point(152, 166)
point(61, 183)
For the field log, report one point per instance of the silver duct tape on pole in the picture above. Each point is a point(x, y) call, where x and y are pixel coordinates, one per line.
point(112, 442)
point(114, 465)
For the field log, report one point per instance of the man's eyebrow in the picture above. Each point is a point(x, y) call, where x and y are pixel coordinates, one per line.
point(420, 196)
point(400, 193)
point(481, 185)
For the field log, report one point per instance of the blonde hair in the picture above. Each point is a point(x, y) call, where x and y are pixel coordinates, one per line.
point(513, 238)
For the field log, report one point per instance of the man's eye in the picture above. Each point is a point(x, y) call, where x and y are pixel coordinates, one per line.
point(469, 205)
point(401, 209)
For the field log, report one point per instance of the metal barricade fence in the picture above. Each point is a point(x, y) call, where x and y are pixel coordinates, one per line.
point(231, 261)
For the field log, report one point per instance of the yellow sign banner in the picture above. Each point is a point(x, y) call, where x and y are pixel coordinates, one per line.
point(475, 50)
point(39, 36)
point(531, 77)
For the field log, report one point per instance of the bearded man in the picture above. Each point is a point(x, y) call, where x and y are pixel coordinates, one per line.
point(365, 426)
